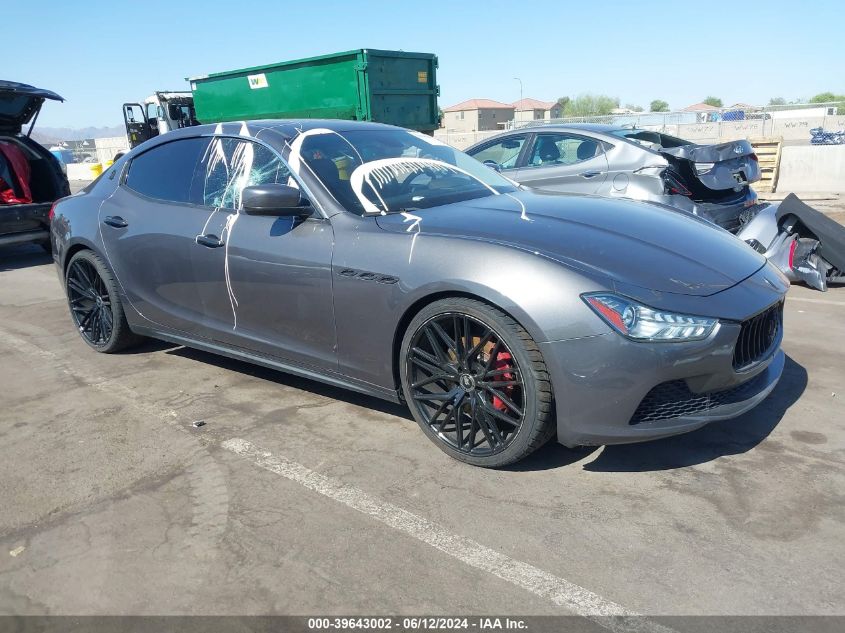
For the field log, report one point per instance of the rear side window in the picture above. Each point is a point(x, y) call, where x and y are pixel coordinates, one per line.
point(166, 172)
point(563, 149)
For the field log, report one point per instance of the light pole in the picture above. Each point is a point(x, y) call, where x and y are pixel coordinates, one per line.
point(520, 98)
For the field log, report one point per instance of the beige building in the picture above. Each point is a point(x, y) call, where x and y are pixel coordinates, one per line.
point(535, 110)
point(477, 115)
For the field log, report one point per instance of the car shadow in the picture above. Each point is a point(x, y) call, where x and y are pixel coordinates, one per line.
point(23, 256)
point(150, 345)
point(727, 437)
point(718, 439)
point(303, 384)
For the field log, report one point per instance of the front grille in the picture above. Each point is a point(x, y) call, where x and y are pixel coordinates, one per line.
point(757, 336)
point(674, 399)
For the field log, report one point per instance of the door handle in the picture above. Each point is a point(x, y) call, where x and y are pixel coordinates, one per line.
point(589, 174)
point(211, 241)
point(116, 221)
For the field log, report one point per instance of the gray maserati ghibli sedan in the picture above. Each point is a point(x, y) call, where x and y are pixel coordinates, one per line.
point(380, 260)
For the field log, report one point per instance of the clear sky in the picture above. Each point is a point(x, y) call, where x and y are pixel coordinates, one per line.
point(98, 54)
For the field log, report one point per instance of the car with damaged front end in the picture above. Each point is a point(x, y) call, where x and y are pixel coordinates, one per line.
point(710, 181)
point(380, 260)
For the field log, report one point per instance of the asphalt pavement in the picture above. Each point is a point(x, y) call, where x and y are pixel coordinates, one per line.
point(170, 481)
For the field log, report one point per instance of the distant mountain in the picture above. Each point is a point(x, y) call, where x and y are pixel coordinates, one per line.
point(55, 134)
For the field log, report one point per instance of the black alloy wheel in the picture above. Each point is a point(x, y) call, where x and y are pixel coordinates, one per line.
point(469, 386)
point(95, 304)
point(89, 303)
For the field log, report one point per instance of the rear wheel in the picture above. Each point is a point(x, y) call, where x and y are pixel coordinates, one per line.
point(476, 383)
point(95, 304)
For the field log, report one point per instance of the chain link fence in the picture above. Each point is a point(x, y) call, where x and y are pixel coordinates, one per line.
point(792, 123)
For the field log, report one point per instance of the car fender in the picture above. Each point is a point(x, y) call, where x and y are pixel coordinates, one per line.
point(381, 279)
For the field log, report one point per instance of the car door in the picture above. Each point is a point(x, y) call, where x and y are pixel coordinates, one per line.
point(269, 286)
point(502, 154)
point(562, 161)
point(149, 228)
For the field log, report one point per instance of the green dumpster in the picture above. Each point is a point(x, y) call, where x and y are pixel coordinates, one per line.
point(361, 85)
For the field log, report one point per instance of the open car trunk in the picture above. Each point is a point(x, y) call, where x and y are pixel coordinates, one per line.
point(31, 179)
point(714, 172)
point(25, 219)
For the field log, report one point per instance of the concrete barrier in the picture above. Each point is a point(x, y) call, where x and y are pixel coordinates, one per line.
point(79, 171)
point(812, 168)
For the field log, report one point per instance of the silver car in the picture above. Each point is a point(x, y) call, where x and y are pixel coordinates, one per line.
point(379, 260)
point(711, 181)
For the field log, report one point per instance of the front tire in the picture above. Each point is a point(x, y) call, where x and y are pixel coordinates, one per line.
point(476, 383)
point(95, 305)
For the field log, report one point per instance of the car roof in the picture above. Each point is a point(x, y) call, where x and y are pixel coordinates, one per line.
point(272, 131)
point(601, 128)
point(594, 128)
point(288, 128)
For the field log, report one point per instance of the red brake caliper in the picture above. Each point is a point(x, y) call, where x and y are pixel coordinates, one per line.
point(503, 361)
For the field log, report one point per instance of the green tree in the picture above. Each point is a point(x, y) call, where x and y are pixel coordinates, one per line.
point(658, 105)
point(634, 108)
point(562, 101)
point(827, 97)
point(777, 101)
point(590, 105)
point(716, 102)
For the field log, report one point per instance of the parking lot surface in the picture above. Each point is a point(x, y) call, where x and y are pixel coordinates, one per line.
point(295, 497)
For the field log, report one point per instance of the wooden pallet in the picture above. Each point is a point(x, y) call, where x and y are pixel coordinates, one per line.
point(768, 156)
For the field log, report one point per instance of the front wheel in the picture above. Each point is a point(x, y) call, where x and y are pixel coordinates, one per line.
point(95, 304)
point(476, 383)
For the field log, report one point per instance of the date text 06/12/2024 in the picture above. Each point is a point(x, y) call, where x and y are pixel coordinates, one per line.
point(416, 623)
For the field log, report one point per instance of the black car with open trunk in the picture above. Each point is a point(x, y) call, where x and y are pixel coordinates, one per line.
point(31, 178)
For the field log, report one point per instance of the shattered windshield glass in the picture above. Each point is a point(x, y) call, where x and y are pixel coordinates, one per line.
point(391, 171)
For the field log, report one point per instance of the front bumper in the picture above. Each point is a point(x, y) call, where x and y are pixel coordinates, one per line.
point(611, 390)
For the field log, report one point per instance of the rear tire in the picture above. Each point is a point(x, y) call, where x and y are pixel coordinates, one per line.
point(476, 383)
point(95, 305)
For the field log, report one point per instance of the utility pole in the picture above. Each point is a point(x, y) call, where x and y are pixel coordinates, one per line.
point(520, 98)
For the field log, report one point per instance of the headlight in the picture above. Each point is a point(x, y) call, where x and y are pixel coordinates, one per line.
point(642, 323)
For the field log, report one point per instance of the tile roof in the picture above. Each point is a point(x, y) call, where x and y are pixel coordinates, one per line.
point(533, 104)
point(478, 104)
point(700, 107)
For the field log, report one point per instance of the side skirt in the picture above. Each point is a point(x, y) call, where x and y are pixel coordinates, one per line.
point(271, 363)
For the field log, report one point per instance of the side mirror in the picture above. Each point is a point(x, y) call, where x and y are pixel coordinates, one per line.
point(492, 164)
point(276, 200)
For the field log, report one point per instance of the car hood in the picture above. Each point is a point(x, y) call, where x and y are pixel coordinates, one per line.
point(19, 103)
point(632, 243)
